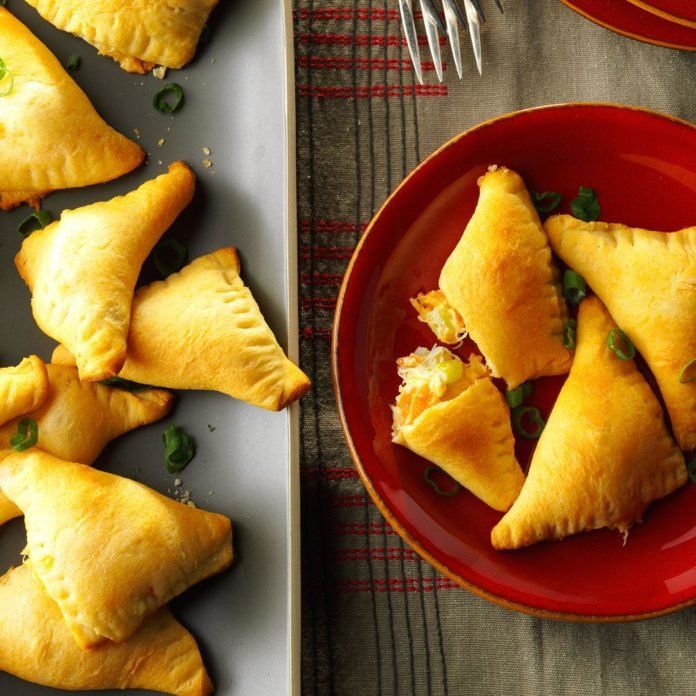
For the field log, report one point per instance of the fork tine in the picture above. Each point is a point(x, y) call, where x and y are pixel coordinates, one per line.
point(474, 33)
point(432, 22)
point(451, 11)
point(500, 6)
point(409, 26)
point(479, 10)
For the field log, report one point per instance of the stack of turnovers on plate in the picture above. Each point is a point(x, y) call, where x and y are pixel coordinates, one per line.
point(592, 467)
point(104, 554)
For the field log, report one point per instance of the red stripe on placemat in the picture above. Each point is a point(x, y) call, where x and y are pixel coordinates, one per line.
point(331, 226)
point(390, 553)
point(329, 474)
point(362, 529)
point(348, 14)
point(334, 39)
point(309, 334)
point(318, 302)
point(427, 584)
point(377, 64)
point(326, 252)
point(321, 279)
point(357, 501)
point(371, 91)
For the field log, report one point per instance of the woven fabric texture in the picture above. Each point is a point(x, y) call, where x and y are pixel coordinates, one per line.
point(376, 619)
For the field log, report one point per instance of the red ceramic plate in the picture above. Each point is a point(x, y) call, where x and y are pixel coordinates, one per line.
point(680, 11)
point(643, 166)
point(628, 19)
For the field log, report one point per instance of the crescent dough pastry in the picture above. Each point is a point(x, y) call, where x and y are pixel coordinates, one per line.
point(22, 388)
point(452, 414)
point(51, 136)
point(502, 281)
point(108, 550)
point(595, 466)
point(202, 329)
point(36, 645)
point(648, 282)
point(82, 270)
point(138, 34)
point(77, 419)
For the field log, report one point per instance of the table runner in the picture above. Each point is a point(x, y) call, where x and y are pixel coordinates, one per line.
point(375, 618)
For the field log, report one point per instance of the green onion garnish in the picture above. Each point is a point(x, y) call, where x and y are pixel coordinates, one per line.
point(570, 329)
point(586, 206)
point(170, 256)
point(27, 435)
point(6, 79)
point(691, 467)
point(434, 485)
point(617, 337)
point(527, 412)
point(179, 448)
point(515, 397)
point(36, 221)
point(125, 384)
point(73, 63)
point(574, 287)
point(684, 377)
point(553, 201)
point(169, 99)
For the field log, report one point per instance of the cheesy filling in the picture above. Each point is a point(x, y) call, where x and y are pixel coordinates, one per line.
point(443, 319)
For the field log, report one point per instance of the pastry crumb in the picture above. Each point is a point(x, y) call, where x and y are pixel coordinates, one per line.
point(160, 72)
point(161, 142)
point(137, 133)
point(206, 151)
point(207, 163)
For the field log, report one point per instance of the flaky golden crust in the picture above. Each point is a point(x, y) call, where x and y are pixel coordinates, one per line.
point(202, 329)
point(36, 645)
point(136, 33)
point(52, 138)
point(108, 550)
point(502, 281)
point(82, 269)
point(605, 453)
point(22, 388)
point(648, 282)
point(470, 437)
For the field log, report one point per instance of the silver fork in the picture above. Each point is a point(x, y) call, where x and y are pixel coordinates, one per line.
point(472, 17)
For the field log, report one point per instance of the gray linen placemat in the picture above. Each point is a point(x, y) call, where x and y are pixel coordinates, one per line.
point(376, 619)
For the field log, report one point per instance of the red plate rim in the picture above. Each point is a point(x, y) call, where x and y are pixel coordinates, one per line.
point(664, 14)
point(631, 35)
point(365, 478)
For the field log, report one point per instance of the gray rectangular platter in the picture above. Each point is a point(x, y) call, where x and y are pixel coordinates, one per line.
point(239, 104)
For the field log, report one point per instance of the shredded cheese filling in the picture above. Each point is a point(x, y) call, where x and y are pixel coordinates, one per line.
point(443, 319)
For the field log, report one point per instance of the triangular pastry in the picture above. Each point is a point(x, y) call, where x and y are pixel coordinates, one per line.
point(82, 269)
point(52, 138)
point(36, 645)
point(22, 388)
point(137, 34)
point(648, 282)
point(605, 453)
point(451, 413)
point(502, 281)
point(108, 550)
point(77, 419)
point(202, 329)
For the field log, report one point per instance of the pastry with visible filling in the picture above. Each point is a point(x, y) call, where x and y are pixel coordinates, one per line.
point(451, 413)
point(82, 269)
point(109, 551)
point(37, 646)
point(202, 329)
point(138, 34)
point(595, 466)
point(501, 286)
point(77, 419)
point(647, 280)
point(22, 388)
point(51, 136)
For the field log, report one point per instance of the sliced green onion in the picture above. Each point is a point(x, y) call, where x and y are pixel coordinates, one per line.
point(36, 221)
point(586, 206)
point(434, 485)
point(691, 467)
point(169, 99)
point(570, 329)
point(522, 413)
point(124, 384)
point(6, 79)
point(553, 201)
point(170, 256)
point(574, 287)
point(179, 448)
point(515, 397)
point(73, 63)
point(617, 337)
point(27, 435)
point(684, 377)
